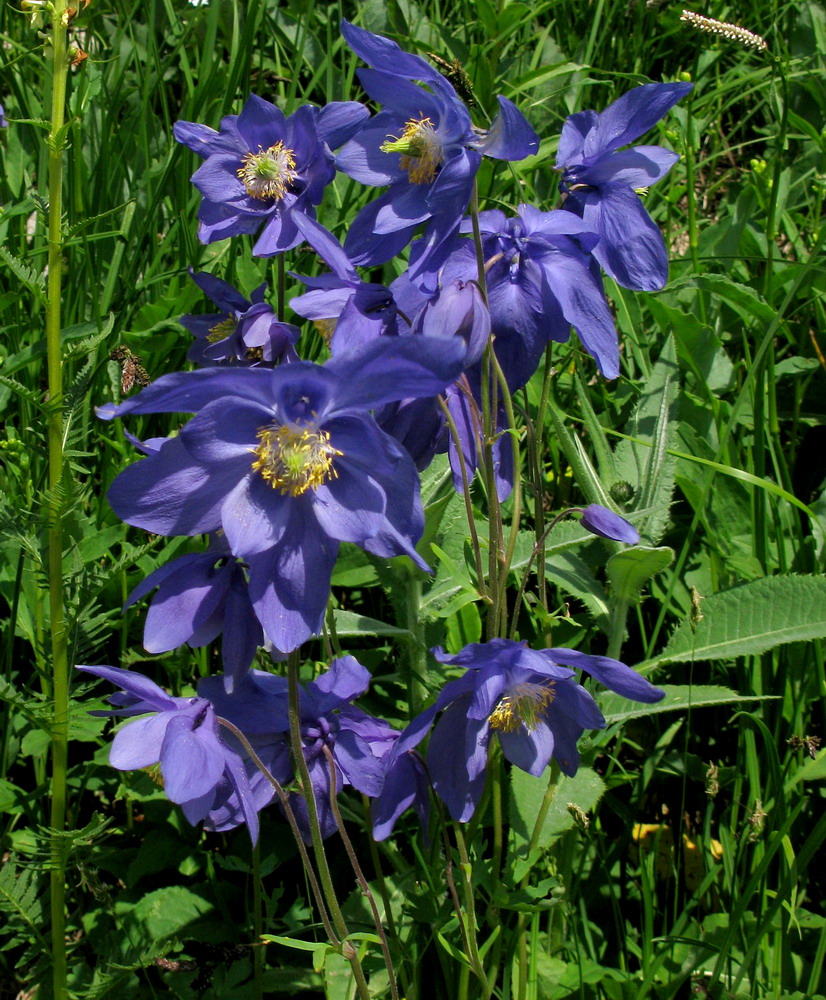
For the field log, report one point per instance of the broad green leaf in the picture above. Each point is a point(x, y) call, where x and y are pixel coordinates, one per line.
point(644, 458)
point(165, 912)
point(583, 791)
point(573, 575)
point(630, 569)
point(678, 698)
point(742, 299)
point(750, 619)
point(351, 623)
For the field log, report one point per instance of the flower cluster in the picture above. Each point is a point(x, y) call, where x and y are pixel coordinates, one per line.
point(530, 699)
point(281, 460)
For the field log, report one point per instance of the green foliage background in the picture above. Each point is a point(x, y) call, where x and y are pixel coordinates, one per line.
point(717, 424)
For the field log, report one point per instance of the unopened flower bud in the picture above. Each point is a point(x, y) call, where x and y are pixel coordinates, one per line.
point(459, 310)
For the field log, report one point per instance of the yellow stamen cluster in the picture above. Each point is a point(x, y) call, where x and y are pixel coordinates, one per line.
point(726, 30)
point(522, 705)
point(268, 173)
point(326, 327)
point(154, 773)
point(222, 329)
point(420, 148)
point(295, 459)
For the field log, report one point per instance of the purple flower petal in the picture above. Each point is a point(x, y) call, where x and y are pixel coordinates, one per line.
point(606, 523)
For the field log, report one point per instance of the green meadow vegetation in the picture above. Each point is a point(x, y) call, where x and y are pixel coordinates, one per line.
point(685, 858)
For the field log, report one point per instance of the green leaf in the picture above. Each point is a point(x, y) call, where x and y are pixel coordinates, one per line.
point(351, 623)
point(678, 698)
point(644, 459)
point(34, 281)
point(289, 942)
point(750, 619)
point(573, 575)
point(165, 912)
point(583, 791)
point(630, 569)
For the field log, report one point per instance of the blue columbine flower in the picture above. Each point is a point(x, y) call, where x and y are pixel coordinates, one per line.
point(541, 282)
point(425, 147)
point(3, 120)
point(530, 699)
point(347, 310)
point(262, 169)
point(288, 462)
point(244, 332)
point(200, 596)
point(599, 180)
point(356, 741)
point(199, 770)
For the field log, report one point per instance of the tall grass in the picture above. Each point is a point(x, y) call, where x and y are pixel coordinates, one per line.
point(694, 868)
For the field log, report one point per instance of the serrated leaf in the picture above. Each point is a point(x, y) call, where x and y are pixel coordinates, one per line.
point(630, 569)
point(34, 281)
point(678, 698)
point(19, 898)
point(751, 618)
point(568, 571)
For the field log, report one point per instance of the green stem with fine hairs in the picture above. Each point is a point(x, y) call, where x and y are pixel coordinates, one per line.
point(364, 885)
point(57, 625)
point(322, 865)
point(470, 911)
point(284, 799)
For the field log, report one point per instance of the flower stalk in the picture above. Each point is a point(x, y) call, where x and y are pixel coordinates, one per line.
point(59, 647)
point(322, 865)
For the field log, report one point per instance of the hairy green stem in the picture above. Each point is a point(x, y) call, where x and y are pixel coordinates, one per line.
point(364, 885)
point(470, 910)
point(284, 799)
point(57, 623)
point(474, 535)
point(322, 865)
point(257, 924)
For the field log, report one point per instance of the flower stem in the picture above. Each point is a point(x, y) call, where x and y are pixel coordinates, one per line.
point(521, 929)
point(284, 799)
point(324, 875)
point(364, 885)
point(474, 536)
point(57, 623)
point(257, 923)
point(470, 908)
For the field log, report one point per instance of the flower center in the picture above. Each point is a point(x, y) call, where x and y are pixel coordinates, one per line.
point(421, 150)
point(522, 705)
point(154, 774)
point(222, 329)
point(268, 173)
point(295, 459)
point(326, 327)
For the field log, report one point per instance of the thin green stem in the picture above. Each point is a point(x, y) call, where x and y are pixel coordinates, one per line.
point(257, 923)
point(522, 947)
point(362, 881)
point(284, 799)
point(407, 986)
point(322, 865)
point(280, 286)
point(474, 535)
point(470, 910)
point(57, 623)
